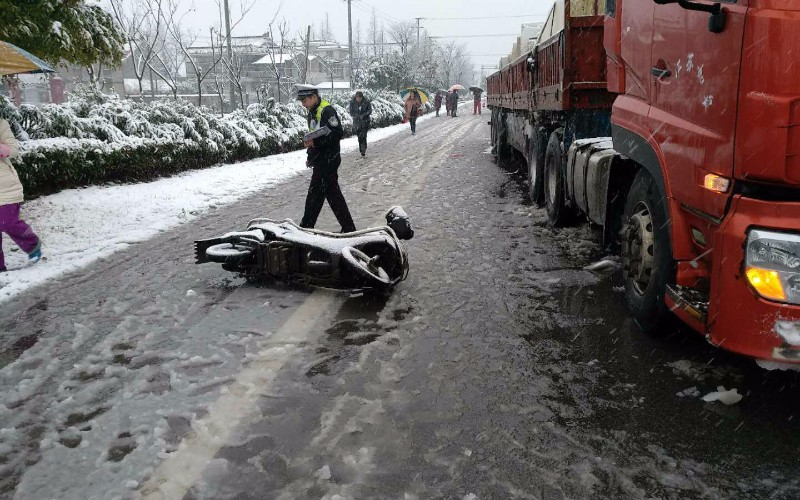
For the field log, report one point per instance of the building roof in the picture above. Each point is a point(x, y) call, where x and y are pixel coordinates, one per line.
point(282, 58)
point(336, 85)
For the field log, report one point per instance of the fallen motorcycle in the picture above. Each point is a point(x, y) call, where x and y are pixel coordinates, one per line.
point(369, 259)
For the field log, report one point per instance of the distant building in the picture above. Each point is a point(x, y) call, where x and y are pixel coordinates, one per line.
point(259, 57)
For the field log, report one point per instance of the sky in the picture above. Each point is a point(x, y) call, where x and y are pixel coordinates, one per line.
point(488, 17)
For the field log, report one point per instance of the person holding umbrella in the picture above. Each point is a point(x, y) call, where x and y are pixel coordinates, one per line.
point(476, 100)
point(360, 110)
point(413, 106)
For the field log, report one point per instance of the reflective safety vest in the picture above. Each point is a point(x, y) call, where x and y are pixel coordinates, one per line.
point(313, 124)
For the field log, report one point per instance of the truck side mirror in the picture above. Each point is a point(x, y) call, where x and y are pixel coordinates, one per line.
point(718, 19)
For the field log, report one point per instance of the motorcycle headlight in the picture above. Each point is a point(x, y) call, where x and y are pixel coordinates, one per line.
point(773, 265)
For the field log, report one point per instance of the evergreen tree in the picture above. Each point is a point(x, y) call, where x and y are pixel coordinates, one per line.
point(73, 31)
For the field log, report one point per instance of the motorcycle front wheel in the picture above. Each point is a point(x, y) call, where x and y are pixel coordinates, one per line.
point(367, 267)
point(228, 253)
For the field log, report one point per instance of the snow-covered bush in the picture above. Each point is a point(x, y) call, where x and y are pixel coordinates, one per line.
point(97, 138)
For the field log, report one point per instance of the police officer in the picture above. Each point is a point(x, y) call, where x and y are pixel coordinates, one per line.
point(324, 157)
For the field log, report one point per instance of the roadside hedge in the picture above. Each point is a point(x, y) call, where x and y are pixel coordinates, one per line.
point(97, 139)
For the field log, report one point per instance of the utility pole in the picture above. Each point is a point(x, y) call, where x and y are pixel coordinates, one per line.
point(308, 41)
point(230, 54)
point(350, 40)
point(418, 18)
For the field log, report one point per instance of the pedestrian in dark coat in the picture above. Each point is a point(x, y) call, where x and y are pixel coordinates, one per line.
point(447, 101)
point(437, 102)
point(11, 197)
point(324, 157)
point(360, 110)
point(454, 103)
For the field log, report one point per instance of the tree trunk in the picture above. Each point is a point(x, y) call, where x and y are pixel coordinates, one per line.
point(199, 91)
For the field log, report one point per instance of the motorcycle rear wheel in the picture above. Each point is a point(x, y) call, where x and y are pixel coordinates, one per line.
point(366, 267)
point(228, 253)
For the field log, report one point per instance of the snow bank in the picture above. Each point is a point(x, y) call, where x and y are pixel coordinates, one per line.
point(97, 138)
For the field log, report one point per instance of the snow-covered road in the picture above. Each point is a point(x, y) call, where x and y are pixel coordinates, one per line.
point(79, 226)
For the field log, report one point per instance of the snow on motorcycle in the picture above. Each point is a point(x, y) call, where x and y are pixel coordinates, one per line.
point(369, 259)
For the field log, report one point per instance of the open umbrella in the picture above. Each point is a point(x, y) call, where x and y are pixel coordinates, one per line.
point(14, 60)
point(473, 89)
point(457, 86)
point(406, 92)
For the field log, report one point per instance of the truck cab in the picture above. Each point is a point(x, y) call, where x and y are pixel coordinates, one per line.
point(708, 111)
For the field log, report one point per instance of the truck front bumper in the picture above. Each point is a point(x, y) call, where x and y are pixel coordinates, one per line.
point(739, 320)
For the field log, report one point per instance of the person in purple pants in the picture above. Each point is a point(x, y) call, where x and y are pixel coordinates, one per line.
point(11, 196)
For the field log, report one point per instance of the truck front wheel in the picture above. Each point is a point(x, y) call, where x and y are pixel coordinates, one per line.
point(646, 252)
point(537, 146)
point(553, 186)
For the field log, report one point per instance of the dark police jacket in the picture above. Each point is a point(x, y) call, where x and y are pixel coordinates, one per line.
point(325, 152)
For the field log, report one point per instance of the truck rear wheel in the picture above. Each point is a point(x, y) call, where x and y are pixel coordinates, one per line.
point(646, 252)
point(537, 146)
point(553, 186)
point(500, 138)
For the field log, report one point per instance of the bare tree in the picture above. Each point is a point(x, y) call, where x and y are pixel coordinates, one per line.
point(402, 34)
point(234, 76)
point(305, 41)
point(184, 40)
point(280, 53)
point(235, 67)
point(218, 83)
point(373, 32)
point(143, 23)
point(168, 58)
point(453, 58)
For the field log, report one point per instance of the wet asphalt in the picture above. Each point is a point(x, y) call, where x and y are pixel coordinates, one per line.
point(499, 369)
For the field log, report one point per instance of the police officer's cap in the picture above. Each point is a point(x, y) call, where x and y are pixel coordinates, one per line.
point(302, 91)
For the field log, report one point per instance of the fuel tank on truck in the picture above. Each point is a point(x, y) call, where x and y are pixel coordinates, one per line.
point(768, 119)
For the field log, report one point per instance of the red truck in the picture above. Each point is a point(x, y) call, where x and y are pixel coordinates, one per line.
point(674, 125)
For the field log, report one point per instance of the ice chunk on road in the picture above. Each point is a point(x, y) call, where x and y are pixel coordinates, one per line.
point(730, 397)
point(603, 266)
point(777, 365)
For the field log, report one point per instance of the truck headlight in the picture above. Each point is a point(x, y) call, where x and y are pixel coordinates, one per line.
point(773, 265)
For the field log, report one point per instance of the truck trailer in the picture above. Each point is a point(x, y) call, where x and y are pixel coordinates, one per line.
point(675, 126)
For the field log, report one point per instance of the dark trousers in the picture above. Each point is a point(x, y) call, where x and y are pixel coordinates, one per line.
point(361, 132)
point(453, 108)
point(325, 185)
point(413, 121)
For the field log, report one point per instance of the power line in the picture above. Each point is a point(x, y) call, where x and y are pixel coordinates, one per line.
point(474, 36)
point(482, 17)
point(383, 14)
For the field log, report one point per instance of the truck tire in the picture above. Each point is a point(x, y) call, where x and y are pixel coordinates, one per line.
point(558, 212)
point(537, 146)
point(646, 252)
point(500, 145)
